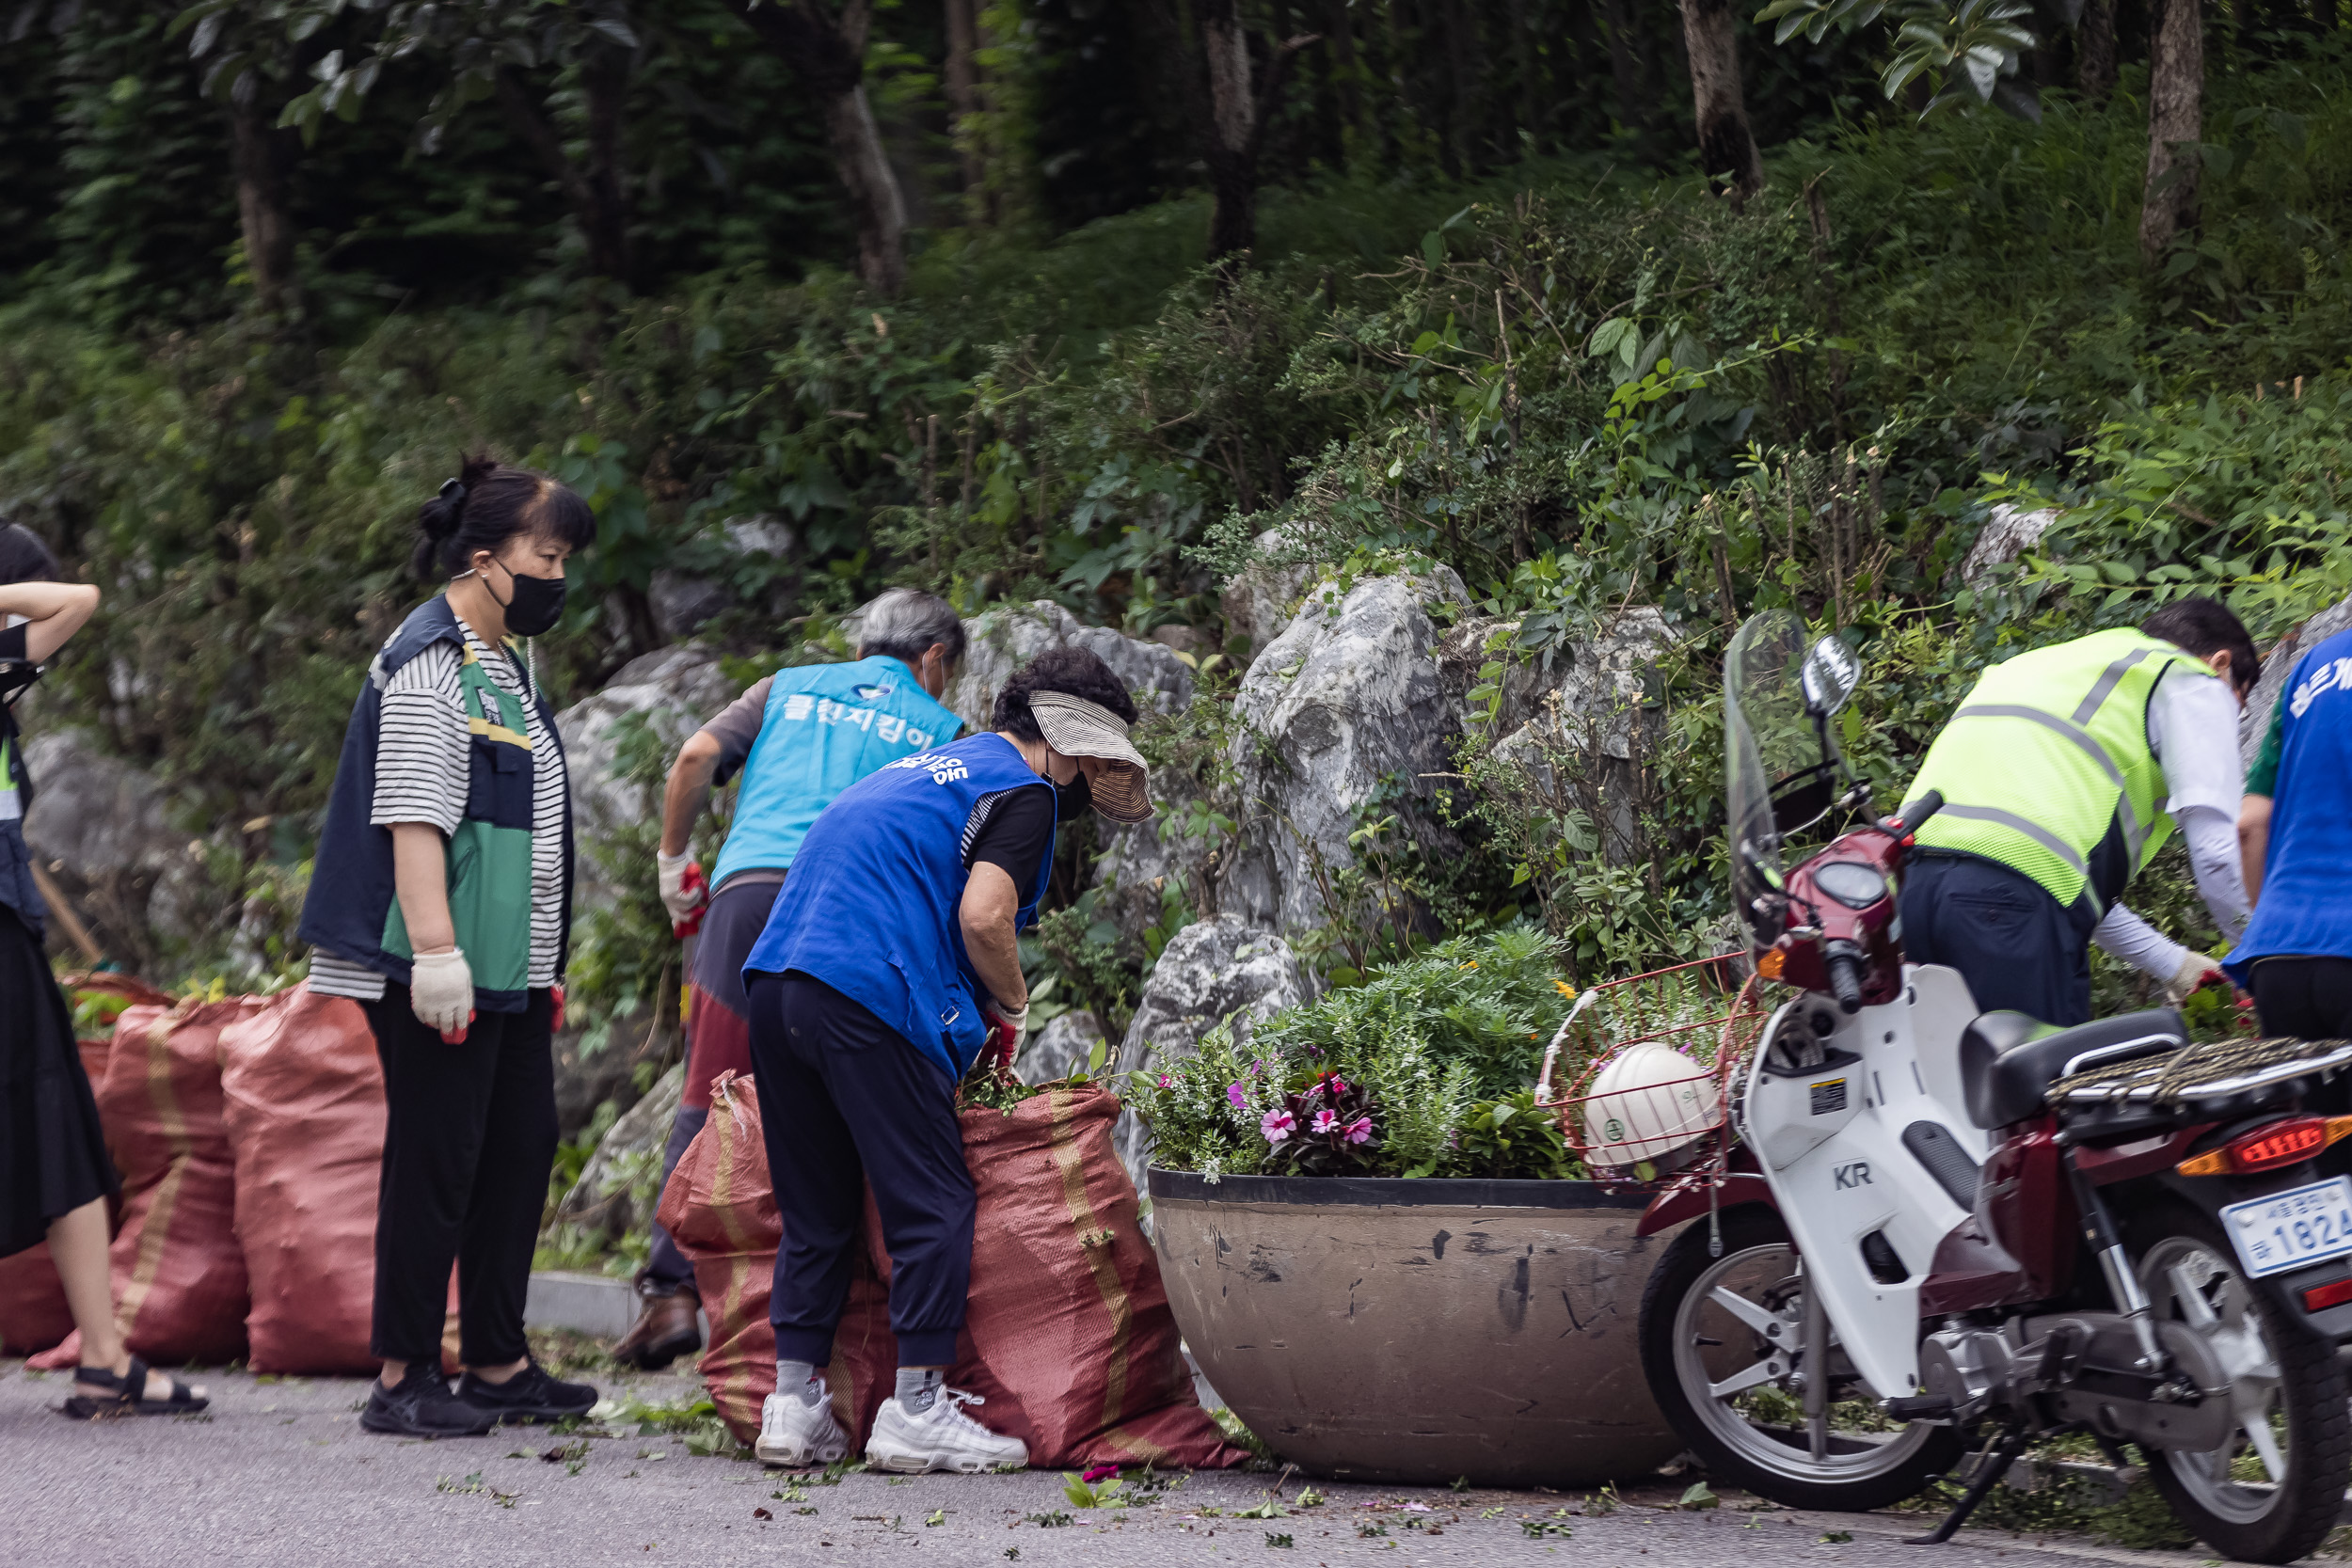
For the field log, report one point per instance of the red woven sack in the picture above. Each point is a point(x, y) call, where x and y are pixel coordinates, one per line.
point(178, 1272)
point(1067, 1332)
point(721, 1210)
point(305, 1097)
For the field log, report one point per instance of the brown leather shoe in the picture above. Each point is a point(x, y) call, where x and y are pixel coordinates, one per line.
point(662, 1333)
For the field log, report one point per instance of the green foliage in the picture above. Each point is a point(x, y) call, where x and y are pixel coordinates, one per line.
point(1441, 1049)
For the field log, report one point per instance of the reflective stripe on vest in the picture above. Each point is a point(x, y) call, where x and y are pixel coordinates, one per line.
point(2052, 761)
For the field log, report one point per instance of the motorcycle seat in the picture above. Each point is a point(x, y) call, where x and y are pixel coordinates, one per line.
point(2008, 1061)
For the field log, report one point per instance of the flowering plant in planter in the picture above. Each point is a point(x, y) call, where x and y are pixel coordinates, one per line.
point(1425, 1069)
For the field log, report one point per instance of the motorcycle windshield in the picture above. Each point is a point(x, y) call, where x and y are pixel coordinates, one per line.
point(1766, 736)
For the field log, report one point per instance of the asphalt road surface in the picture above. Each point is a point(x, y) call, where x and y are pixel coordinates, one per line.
point(278, 1472)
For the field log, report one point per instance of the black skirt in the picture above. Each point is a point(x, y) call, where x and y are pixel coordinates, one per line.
point(53, 1154)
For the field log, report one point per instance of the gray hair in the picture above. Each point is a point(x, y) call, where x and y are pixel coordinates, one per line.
point(905, 623)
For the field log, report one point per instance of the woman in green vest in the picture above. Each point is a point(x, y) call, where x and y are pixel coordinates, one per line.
point(55, 1175)
point(2063, 772)
point(440, 900)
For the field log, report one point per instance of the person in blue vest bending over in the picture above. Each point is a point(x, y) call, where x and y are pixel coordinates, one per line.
point(2296, 834)
point(889, 957)
point(799, 738)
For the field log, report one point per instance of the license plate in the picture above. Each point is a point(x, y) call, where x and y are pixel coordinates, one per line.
point(2292, 1228)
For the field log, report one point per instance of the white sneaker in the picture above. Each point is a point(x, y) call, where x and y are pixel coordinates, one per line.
point(794, 1433)
point(939, 1438)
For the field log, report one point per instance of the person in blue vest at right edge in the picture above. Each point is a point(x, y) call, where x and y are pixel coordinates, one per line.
point(799, 738)
point(2295, 834)
point(890, 959)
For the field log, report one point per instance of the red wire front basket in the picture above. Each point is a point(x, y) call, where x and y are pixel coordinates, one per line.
point(1663, 1122)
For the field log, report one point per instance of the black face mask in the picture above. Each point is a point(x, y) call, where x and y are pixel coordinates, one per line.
point(536, 606)
point(1074, 800)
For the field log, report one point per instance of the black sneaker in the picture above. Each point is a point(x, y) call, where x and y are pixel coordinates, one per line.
point(529, 1395)
point(421, 1405)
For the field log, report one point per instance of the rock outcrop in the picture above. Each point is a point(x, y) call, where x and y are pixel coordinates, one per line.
point(2278, 663)
point(627, 1163)
point(1004, 638)
point(2008, 533)
point(101, 828)
point(1059, 1049)
point(670, 692)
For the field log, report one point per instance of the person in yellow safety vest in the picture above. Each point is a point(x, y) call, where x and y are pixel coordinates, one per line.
point(2063, 772)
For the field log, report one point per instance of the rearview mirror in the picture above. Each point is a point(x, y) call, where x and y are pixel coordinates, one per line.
point(1830, 675)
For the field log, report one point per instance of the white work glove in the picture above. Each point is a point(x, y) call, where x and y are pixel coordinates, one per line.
point(680, 897)
point(2195, 969)
point(440, 987)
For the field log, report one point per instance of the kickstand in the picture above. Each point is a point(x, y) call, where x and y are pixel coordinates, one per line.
point(1988, 1476)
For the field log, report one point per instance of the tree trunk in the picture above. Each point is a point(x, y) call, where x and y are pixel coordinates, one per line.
point(2176, 90)
point(964, 102)
point(1463, 76)
point(828, 55)
point(1345, 76)
point(1625, 67)
point(256, 154)
point(593, 192)
point(1232, 130)
point(604, 80)
point(1727, 146)
point(2094, 51)
point(1531, 77)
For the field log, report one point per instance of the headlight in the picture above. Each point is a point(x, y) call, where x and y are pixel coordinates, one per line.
point(1851, 882)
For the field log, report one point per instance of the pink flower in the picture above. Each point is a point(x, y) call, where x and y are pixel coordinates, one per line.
point(1163, 1080)
point(1339, 1086)
point(1099, 1472)
point(1359, 1131)
point(1234, 1097)
point(1278, 1125)
point(1324, 1122)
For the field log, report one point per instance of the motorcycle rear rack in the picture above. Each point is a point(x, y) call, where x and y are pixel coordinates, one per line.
point(2199, 1075)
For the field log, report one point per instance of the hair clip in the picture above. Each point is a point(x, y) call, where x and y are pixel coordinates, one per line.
point(452, 491)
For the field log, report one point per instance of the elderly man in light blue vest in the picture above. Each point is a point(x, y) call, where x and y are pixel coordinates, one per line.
point(800, 738)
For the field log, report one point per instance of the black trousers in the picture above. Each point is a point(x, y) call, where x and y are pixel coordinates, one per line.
point(843, 1099)
point(2309, 999)
point(2013, 943)
point(470, 1138)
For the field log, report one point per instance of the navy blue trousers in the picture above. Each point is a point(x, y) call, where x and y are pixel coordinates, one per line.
point(845, 1099)
point(2013, 943)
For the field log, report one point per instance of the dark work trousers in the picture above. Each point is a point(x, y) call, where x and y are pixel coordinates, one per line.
point(2309, 999)
point(2013, 943)
point(844, 1098)
point(468, 1140)
point(718, 1036)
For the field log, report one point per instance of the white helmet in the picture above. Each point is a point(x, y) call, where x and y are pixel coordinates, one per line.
point(1647, 1101)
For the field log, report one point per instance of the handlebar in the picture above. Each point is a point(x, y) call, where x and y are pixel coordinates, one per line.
point(1845, 978)
point(1918, 811)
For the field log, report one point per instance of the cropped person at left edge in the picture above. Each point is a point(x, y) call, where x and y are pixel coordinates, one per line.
point(441, 900)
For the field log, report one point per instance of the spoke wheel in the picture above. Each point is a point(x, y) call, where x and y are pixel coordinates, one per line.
point(2272, 1491)
point(1724, 1344)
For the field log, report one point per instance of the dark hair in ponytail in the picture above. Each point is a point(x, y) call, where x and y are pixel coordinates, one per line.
point(24, 557)
point(487, 504)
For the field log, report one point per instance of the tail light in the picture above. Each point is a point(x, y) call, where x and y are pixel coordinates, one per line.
point(2321, 1297)
point(2281, 1143)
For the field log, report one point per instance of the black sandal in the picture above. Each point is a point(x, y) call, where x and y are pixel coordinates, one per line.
point(129, 1396)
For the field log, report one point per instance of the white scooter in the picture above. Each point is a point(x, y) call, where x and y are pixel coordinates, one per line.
point(1935, 1224)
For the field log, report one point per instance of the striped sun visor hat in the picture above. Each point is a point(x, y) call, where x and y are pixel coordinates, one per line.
point(1077, 728)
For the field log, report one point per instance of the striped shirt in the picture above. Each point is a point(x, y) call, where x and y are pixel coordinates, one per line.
point(423, 769)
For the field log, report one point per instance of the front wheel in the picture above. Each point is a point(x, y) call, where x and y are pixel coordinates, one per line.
point(1723, 1344)
point(2274, 1487)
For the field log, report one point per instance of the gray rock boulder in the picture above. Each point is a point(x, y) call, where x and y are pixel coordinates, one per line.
point(100, 826)
point(1347, 697)
point(1211, 970)
point(1059, 1049)
point(1260, 600)
point(612, 1192)
point(1578, 748)
point(674, 690)
point(2008, 533)
point(1009, 636)
point(2278, 663)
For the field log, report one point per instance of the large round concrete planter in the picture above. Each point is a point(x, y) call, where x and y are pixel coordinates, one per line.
point(1380, 1329)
